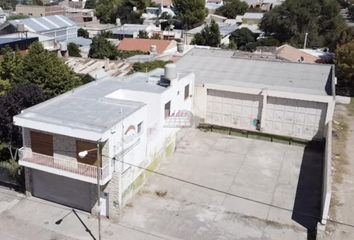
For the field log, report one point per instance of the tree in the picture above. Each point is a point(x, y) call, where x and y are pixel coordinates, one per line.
point(190, 13)
point(11, 65)
point(143, 34)
point(291, 21)
point(108, 10)
point(351, 12)
point(345, 68)
point(5, 87)
point(19, 98)
point(148, 66)
point(209, 36)
point(90, 4)
point(346, 36)
point(242, 37)
point(83, 33)
point(47, 71)
point(73, 50)
point(232, 8)
point(101, 48)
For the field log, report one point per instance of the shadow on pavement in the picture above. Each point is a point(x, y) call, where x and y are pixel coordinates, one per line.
point(307, 205)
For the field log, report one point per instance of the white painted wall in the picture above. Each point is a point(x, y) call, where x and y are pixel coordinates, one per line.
point(285, 114)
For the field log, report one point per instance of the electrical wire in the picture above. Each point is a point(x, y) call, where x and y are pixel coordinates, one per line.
point(231, 194)
point(224, 192)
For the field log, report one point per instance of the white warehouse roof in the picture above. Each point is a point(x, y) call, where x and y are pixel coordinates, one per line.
point(44, 24)
point(221, 67)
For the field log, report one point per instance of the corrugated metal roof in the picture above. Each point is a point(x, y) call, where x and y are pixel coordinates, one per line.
point(44, 24)
point(221, 67)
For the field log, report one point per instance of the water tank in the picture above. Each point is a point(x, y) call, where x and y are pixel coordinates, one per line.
point(170, 71)
point(21, 27)
point(153, 49)
point(63, 46)
point(180, 47)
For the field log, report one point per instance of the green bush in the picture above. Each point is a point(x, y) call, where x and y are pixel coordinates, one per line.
point(12, 168)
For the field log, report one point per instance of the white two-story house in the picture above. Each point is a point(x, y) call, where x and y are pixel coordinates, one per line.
point(132, 121)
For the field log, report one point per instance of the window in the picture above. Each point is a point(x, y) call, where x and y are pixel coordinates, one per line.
point(140, 126)
point(167, 109)
point(42, 143)
point(186, 92)
point(91, 158)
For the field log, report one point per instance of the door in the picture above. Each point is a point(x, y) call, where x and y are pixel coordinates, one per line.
point(63, 190)
point(104, 201)
point(232, 109)
point(295, 118)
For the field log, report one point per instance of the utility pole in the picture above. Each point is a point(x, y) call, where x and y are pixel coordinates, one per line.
point(99, 160)
point(305, 42)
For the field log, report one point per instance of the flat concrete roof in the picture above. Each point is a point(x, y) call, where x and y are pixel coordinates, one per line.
point(222, 67)
point(89, 108)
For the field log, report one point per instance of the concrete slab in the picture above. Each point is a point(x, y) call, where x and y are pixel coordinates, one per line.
point(243, 189)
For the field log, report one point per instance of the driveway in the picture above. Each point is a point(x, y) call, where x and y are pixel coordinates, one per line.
point(226, 187)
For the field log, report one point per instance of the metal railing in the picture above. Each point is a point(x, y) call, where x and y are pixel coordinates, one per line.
point(67, 165)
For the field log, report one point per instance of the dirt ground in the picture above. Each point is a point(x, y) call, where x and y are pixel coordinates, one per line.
point(342, 203)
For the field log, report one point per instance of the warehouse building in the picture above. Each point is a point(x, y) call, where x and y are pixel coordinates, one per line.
point(294, 100)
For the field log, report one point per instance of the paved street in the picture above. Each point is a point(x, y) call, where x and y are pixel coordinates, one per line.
point(34, 219)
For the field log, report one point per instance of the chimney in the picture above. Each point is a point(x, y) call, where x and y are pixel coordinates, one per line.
point(153, 50)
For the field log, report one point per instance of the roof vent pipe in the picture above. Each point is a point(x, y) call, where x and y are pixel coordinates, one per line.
point(153, 49)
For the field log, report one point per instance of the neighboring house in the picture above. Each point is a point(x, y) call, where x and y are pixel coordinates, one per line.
point(25, 39)
point(17, 42)
point(291, 54)
point(3, 16)
point(98, 68)
point(39, 11)
point(294, 100)
point(77, 3)
point(132, 30)
point(81, 16)
point(132, 120)
point(152, 46)
point(251, 21)
point(212, 5)
point(95, 28)
point(152, 13)
point(225, 27)
point(264, 5)
point(59, 27)
point(163, 3)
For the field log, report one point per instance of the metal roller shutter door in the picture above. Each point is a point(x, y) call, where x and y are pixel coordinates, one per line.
point(231, 109)
point(63, 190)
point(295, 118)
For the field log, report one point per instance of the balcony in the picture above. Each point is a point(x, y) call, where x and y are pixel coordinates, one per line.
point(64, 167)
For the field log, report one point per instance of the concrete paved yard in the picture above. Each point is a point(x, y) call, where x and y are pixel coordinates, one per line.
point(263, 174)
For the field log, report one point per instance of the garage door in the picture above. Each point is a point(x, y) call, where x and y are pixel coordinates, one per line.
point(63, 190)
point(295, 118)
point(231, 109)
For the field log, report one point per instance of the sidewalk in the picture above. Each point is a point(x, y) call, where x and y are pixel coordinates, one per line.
point(34, 219)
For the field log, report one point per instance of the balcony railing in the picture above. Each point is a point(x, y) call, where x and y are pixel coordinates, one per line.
point(59, 165)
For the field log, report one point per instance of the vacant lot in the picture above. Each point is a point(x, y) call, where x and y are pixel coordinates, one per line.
point(231, 188)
